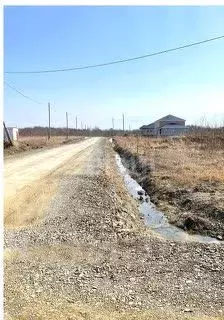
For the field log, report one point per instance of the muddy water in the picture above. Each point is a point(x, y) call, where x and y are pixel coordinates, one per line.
point(153, 218)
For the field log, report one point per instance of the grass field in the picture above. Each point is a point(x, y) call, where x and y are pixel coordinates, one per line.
point(182, 161)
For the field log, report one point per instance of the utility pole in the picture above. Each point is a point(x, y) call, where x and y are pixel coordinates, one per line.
point(7, 134)
point(123, 120)
point(67, 124)
point(76, 123)
point(49, 121)
point(113, 123)
point(81, 125)
point(137, 143)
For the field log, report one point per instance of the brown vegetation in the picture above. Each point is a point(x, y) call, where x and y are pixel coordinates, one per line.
point(26, 143)
point(186, 175)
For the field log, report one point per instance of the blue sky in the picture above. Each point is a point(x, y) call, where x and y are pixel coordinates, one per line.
point(187, 83)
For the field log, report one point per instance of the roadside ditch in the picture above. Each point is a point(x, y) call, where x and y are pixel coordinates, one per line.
point(175, 222)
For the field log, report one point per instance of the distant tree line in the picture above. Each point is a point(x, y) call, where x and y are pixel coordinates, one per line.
point(95, 132)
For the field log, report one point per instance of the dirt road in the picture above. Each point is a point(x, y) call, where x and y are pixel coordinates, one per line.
point(76, 247)
point(35, 176)
point(19, 172)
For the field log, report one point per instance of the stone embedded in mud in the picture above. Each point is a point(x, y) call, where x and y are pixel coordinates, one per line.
point(219, 237)
point(141, 198)
point(140, 192)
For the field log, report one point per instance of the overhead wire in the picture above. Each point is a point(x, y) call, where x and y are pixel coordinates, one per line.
point(25, 96)
point(118, 61)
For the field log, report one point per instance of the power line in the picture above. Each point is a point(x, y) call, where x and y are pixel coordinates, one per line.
point(13, 88)
point(120, 61)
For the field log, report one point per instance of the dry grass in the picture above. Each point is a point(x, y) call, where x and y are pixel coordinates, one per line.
point(43, 140)
point(182, 161)
point(30, 203)
point(38, 142)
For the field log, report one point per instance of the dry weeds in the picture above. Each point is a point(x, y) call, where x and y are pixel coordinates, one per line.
point(38, 142)
point(186, 178)
point(181, 161)
point(43, 140)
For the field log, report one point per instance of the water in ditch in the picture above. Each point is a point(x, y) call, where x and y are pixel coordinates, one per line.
point(155, 219)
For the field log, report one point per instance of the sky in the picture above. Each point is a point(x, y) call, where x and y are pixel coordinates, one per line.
point(187, 83)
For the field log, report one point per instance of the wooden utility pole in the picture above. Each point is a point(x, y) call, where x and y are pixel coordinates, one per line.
point(123, 121)
point(67, 125)
point(137, 144)
point(76, 123)
point(49, 121)
point(7, 134)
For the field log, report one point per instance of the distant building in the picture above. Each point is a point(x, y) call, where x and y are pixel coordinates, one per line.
point(13, 133)
point(166, 126)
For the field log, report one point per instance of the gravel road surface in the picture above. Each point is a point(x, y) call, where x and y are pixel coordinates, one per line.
point(18, 172)
point(88, 255)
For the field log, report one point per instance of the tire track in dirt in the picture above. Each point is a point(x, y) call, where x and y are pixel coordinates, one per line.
point(28, 192)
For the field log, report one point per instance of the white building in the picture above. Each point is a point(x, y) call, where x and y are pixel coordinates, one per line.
point(13, 133)
point(166, 126)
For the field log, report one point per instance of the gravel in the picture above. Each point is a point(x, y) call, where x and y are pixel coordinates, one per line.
point(93, 247)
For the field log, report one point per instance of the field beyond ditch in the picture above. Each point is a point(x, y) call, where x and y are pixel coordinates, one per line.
point(184, 177)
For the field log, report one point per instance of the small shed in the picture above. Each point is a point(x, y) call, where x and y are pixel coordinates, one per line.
point(13, 133)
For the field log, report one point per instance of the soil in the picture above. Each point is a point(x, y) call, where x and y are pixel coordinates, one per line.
point(91, 257)
point(199, 209)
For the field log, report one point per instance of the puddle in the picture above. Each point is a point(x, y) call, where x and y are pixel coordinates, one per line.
point(155, 219)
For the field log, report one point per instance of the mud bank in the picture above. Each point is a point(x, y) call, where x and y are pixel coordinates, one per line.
point(181, 206)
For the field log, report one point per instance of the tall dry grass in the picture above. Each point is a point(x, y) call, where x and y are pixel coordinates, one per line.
point(207, 137)
point(184, 161)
